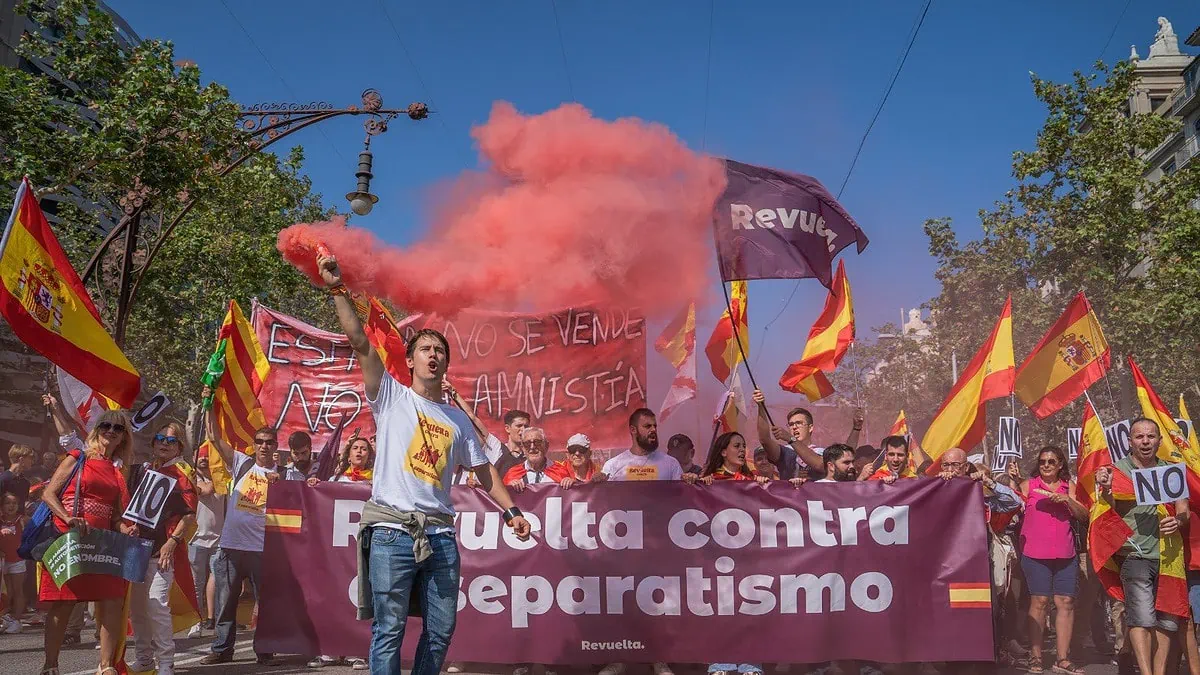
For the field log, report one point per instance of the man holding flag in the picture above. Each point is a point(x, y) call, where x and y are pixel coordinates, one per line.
point(1150, 560)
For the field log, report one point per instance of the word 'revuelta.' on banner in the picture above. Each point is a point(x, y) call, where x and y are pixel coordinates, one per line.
point(674, 573)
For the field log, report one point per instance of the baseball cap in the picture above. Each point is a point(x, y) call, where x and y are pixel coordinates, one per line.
point(579, 440)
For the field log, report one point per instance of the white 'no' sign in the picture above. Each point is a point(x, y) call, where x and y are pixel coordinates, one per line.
point(150, 499)
point(1160, 484)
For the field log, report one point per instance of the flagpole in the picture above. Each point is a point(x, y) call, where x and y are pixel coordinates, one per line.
point(742, 350)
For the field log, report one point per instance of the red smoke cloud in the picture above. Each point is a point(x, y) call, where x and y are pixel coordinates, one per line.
point(569, 210)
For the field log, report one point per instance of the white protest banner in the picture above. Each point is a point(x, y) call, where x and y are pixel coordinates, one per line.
point(1073, 436)
point(157, 403)
point(1160, 484)
point(1117, 436)
point(148, 501)
point(1010, 438)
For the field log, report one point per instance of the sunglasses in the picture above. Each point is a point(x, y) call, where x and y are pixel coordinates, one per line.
point(159, 438)
point(266, 441)
point(1047, 462)
point(106, 427)
point(578, 451)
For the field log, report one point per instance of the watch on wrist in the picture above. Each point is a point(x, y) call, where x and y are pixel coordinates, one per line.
point(510, 514)
point(178, 539)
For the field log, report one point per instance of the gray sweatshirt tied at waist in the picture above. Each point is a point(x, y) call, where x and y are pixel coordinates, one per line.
point(412, 522)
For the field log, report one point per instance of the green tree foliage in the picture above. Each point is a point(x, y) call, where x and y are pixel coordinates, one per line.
point(130, 123)
point(1082, 216)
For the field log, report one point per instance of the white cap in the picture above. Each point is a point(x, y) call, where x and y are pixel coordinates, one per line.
point(580, 440)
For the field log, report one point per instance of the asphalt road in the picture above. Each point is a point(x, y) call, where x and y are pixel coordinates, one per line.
point(22, 653)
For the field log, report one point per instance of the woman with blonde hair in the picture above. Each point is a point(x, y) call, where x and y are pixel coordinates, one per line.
point(95, 496)
point(149, 601)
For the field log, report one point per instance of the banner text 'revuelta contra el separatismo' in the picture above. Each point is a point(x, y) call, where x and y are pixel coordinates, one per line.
point(663, 571)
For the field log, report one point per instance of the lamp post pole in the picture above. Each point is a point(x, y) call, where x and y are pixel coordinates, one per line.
point(266, 123)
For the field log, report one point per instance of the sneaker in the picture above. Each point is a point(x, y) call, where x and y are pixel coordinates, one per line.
point(454, 668)
point(9, 625)
point(214, 659)
point(317, 663)
point(268, 660)
point(139, 667)
point(208, 624)
point(195, 632)
point(359, 664)
point(661, 668)
point(612, 669)
point(521, 670)
point(36, 619)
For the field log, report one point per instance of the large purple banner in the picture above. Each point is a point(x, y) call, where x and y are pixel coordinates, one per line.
point(772, 224)
point(642, 572)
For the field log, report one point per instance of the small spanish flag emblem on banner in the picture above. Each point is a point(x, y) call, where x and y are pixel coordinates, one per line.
point(284, 520)
point(962, 596)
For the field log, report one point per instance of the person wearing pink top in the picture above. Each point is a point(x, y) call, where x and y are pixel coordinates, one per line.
point(1048, 555)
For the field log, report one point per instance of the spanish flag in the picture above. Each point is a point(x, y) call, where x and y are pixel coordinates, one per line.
point(828, 341)
point(236, 401)
point(1093, 454)
point(900, 426)
point(1174, 447)
point(962, 420)
point(677, 344)
point(1070, 357)
point(1183, 415)
point(49, 309)
point(381, 330)
point(723, 351)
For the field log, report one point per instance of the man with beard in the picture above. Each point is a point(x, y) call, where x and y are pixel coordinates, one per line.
point(839, 464)
point(643, 461)
point(300, 448)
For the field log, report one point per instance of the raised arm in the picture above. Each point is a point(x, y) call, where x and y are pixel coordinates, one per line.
point(224, 449)
point(856, 428)
point(368, 358)
point(765, 432)
point(63, 422)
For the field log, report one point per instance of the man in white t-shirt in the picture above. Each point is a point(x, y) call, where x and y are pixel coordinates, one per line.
point(406, 531)
point(239, 553)
point(643, 460)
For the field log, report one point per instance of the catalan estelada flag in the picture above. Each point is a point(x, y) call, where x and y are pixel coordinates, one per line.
point(961, 422)
point(235, 402)
point(381, 330)
point(722, 350)
point(677, 344)
point(49, 309)
point(828, 340)
point(1070, 357)
point(970, 595)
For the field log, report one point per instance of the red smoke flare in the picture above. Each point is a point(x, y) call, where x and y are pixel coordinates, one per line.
point(570, 210)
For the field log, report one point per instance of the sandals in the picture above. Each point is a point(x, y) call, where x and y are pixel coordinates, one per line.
point(1065, 667)
point(1033, 666)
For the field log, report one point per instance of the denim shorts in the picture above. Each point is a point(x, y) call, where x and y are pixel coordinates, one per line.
point(1139, 578)
point(1056, 576)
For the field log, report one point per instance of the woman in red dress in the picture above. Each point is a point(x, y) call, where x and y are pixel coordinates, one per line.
point(103, 500)
point(726, 461)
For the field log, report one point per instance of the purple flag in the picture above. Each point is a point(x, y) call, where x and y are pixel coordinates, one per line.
point(770, 224)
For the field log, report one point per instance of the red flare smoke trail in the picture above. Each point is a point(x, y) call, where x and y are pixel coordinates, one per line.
point(569, 210)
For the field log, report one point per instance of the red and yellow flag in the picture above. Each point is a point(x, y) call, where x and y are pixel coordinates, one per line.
point(828, 341)
point(677, 344)
point(236, 401)
point(381, 330)
point(723, 351)
point(1174, 447)
point(961, 422)
point(1183, 415)
point(49, 309)
point(1093, 454)
point(900, 426)
point(1070, 357)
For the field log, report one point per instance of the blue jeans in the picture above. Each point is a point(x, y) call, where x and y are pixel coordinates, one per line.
point(232, 568)
point(395, 578)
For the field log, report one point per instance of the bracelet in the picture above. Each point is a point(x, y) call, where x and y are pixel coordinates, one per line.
point(178, 539)
point(510, 513)
point(339, 289)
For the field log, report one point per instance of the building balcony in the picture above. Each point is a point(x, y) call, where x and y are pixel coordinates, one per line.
point(1182, 97)
point(1191, 147)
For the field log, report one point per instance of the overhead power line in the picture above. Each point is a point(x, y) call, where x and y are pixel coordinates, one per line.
point(562, 48)
point(412, 63)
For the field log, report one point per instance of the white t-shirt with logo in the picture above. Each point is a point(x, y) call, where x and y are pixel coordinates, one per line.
point(418, 446)
point(657, 465)
point(246, 507)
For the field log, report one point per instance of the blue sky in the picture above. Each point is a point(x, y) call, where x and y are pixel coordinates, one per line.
point(793, 85)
